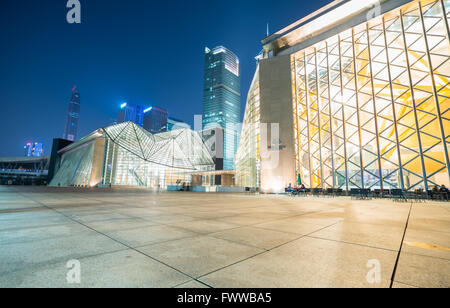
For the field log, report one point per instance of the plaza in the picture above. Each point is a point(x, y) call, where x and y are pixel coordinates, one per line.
point(124, 237)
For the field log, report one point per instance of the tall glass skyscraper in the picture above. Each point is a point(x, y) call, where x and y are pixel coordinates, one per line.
point(222, 99)
point(73, 116)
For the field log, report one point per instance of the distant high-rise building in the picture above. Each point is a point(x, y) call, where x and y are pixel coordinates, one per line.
point(175, 124)
point(155, 120)
point(152, 119)
point(222, 98)
point(131, 113)
point(73, 116)
point(34, 149)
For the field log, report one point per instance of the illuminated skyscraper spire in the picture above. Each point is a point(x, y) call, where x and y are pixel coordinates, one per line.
point(73, 116)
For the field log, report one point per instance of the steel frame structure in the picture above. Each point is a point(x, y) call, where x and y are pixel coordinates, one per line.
point(372, 104)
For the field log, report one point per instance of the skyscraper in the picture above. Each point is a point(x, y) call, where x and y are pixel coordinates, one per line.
point(222, 98)
point(155, 120)
point(152, 119)
point(73, 116)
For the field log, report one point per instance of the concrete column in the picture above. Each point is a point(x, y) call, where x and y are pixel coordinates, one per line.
point(276, 107)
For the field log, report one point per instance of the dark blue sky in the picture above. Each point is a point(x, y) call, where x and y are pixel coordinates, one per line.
point(139, 51)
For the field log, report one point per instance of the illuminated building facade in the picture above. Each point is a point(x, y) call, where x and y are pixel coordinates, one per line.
point(247, 160)
point(370, 97)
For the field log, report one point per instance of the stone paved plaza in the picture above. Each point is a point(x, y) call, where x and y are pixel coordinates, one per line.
point(137, 238)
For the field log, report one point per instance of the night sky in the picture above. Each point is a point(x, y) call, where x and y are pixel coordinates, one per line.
point(140, 51)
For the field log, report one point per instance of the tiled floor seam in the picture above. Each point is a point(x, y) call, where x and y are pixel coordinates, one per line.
point(350, 243)
point(407, 284)
point(401, 246)
point(202, 282)
point(425, 256)
point(212, 219)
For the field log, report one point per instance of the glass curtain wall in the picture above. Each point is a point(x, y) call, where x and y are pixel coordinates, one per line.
point(134, 157)
point(247, 160)
point(75, 167)
point(372, 104)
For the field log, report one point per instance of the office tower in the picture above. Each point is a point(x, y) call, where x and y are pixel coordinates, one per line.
point(175, 124)
point(155, 120)
point(73, 116)
point(222, 98)
point(131, 113)
point(34, 149)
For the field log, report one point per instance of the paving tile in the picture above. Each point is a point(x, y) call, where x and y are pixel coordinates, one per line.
point(118, 269)
point(399, 285)
point(21, 234)
point(257, 237)
point(427, 243)
point(307, 262)
point(18, 255)
point(204, 226)
point(290, 226)
point(432, 218)
point(119, 224)
point(423, 272)
point(149, 235)
point(93, 217)
point(192, 285)
point(199, 255)
point(169, 219)
point(244, 220)
point(387, 237)
point(15, 222)
point(323, 218)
